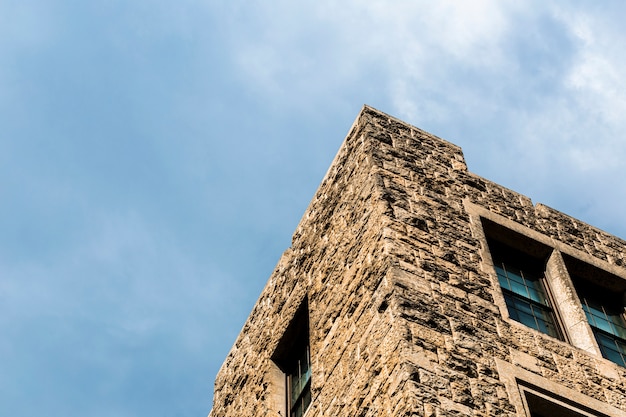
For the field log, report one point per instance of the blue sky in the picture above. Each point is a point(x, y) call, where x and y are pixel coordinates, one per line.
point(155, 157)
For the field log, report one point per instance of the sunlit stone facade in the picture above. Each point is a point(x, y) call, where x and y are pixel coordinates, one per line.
point(415, 288)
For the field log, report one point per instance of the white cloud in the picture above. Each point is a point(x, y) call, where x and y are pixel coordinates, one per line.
point(416, 49)
point(598, 78)
point(542, 81)
point(587, 121)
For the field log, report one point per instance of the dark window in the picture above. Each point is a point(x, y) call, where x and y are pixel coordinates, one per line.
point(293, 356)
point(602, 297)
point(521, 279)
point(605, 314)
point(547, 405)
point(299, 383)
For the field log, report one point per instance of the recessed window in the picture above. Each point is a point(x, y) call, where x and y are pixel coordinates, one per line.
point(299, 383)
point(521, 277)
point(535, 277)
point(293, 357)
point(541, 403)
point(602, 297)
point(609, 328)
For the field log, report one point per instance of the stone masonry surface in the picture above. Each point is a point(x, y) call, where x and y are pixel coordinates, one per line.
point(405, 318)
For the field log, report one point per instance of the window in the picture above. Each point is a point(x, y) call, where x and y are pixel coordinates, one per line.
point(557, 290)
point(602, 298)
point(299, 384)
point(542, 407)
point(521, 278)
point(293, 358)
point(533, 395)
point(609, 328)
point(541, 403)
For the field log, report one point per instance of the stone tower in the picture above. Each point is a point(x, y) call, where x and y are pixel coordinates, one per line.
point(415, 288)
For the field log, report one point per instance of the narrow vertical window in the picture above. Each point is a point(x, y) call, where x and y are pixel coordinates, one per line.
point(293, 357)
point(299, 383)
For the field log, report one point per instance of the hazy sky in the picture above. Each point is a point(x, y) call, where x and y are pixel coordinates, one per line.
point(155, 157)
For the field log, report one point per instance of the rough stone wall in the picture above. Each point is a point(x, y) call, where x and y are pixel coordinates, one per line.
point(444, 293)
point(337, 261)
point(404, 319)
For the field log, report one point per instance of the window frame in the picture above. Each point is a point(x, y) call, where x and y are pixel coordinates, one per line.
point(521, 384)
point(298, 404)
point(505, 246)
point(601, 289)
point(292, 347)
point(542, 403)
point(576, 329)
point(517, 273)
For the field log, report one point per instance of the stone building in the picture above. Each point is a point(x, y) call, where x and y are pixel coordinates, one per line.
point(415, 288)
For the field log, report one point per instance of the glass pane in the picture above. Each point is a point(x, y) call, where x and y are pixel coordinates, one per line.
point(545, 324)
point(618, 323)
point(535, 293)
point(599, 318)
point(590, 317)
point(516, 276)
point(521, 283)
point(304, 363)
point(523, 307)
point(542, 313)
point(552, 330)
point(528, 320)
point(306, 399)
point(533, 315)
point(301, 403)
point(603, 324)
point(295, 388)
point(614, 357)
point(297, 411)
point(300, 385)
point(594, 306)
point(598, 312)
point(504, 282)
point(520, 289)
point(510, 304)
point(611, 348)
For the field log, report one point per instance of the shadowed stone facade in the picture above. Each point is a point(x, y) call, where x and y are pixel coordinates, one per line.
point(392, 265)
